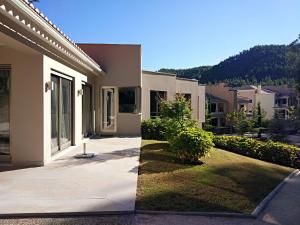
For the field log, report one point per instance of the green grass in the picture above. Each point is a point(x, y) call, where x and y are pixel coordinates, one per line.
point(225, 182)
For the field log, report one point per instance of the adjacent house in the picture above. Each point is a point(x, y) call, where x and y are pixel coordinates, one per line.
point(54, 93)
point(223, 99)
point(157, 86)
point(249, 96)
point(286, 100)
point(218, 108)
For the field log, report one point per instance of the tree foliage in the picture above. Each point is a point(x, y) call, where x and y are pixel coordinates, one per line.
point(265, 64)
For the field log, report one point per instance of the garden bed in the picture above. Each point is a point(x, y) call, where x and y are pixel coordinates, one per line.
point(225, 182)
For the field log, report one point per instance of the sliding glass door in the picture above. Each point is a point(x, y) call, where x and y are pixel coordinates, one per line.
point(4, 114)
point(87, 111)
point(61, 113)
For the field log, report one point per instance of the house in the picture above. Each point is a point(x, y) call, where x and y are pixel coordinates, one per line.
point(249, 96)
point(286, 99)
point(236, 99)
point(54, 92)
point(218, 108)
point(157, 86)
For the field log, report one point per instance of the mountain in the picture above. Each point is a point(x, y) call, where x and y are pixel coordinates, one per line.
point(263, 63)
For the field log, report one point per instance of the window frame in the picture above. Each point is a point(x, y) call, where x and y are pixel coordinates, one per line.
point(137, 99)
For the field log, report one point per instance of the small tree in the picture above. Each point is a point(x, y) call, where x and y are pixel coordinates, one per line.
point(244, 124)
point(207, 124)
point(176, 116)
point(232, 119)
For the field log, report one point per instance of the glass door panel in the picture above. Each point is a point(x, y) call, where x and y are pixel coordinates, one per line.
point(87, 111)
point(66, 113)
point(61, 113)
point(4, 114)
point(54, 114)
point(108, 106)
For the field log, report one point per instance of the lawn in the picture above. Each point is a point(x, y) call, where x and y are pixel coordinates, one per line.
point(225, 182)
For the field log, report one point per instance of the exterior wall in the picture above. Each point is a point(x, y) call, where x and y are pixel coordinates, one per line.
point(267, 101)
point(201, 104)
point(248, 94)
point(78, 78)
point(189, 87)
point(26, 105)
point(223, 92)
point(156, 82)
point(172, 85)
point(122, 65)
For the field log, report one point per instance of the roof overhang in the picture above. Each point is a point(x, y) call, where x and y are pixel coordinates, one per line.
point(23, 22)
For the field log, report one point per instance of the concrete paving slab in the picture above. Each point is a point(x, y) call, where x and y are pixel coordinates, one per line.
point(106, 182)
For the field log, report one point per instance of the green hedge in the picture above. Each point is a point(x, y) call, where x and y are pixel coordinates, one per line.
point(191, 144)
point(153, 129)
point(269, 151)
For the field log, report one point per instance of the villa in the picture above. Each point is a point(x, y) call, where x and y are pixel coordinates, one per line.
point(54, 92)
point(223, 99)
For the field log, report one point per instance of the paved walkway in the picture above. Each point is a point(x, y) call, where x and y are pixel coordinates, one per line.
point(105, 183)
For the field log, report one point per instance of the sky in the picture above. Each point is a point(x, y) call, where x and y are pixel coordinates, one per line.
point(178, 33)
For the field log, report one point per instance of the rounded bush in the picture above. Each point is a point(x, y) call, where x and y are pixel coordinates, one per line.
point(192, 144)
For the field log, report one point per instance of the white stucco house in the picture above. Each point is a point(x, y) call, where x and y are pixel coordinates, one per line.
point(54, 92)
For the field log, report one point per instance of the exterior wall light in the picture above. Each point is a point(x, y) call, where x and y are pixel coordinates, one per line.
point(49, 86)
point(80, 92)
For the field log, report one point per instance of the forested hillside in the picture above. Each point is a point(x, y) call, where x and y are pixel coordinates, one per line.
point(267, 64)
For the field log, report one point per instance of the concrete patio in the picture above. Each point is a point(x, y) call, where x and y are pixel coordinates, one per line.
point(106, 182)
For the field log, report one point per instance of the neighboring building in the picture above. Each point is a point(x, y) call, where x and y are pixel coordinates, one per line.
point(218, 108)
point(157, 86)
point(249, 96)
point(54, 93)
point(236, 99)
point(286, 98)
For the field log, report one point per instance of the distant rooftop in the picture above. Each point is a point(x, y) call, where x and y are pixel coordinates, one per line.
point(169, 74)
point(214, 98)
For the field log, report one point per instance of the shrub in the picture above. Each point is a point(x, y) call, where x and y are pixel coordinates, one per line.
point(176, 116)
point(270, 151)
point(191, 144)
point(153, 129)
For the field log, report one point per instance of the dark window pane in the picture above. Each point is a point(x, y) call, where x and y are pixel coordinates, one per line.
point(128, 100)
point(155, 98)
point(214, 122)
point(213, 107)
point(4, 112)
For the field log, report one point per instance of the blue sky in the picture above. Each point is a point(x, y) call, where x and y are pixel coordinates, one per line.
point(178, 33)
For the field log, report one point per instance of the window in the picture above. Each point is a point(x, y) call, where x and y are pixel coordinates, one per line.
point(214, 122)
point(221, 107)
point(129, 100)
point(242, 106)
point(222, 122)
point(155, 98)
point(213, 107)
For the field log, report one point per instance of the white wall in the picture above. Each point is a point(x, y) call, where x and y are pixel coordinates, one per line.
point(122, 65)
point(201, 104)
point(189, 87)
point(26, 105)
point(49, 64)
point(156, 83)
point(267, 102)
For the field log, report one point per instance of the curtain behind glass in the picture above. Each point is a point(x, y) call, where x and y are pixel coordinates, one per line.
point(65, 111)
point(4, 112)
point(87, 123)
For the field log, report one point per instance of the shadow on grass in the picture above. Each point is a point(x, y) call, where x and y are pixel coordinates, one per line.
point(174, 201)
point(225, 183)
point(157, 158)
